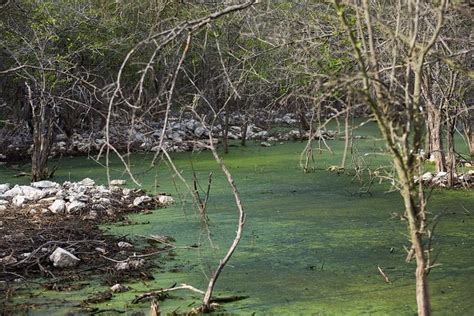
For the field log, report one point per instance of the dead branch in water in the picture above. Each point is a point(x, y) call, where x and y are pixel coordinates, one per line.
point(164, 291)
point(385, 277)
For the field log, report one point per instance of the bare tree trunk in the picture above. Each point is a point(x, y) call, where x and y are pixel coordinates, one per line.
point(42, 136)
point(417, 223)
point(435, 138)
point(347, 136)
point(206, 303)
point(225, 133)
point(451, 161)
point(422, 292)
point(303, 121)
point(402, 130)
point(468, 122)
point(471, 143)
point(244, 128)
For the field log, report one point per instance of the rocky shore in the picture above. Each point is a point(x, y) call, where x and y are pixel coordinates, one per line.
point(83, 198)
point(181, 135)
point(49, 229)
point(440, 179)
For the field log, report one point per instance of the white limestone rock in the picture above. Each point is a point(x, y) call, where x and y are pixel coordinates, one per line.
point(75, 206)
point(262, 134)
point(19, 200)
point(45, 184)
point(4, 188)
point(62, 258)
point(427, 177)
point(165, 200)
point(87, 182)
point(58, 206)
point(141, 200)
point(119, 288)
point(32, 194)
point(200, 131)
point(48, 200)
point(118, 182)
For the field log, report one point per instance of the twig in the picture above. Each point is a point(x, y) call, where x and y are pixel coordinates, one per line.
point(163, 291)
point(385, 277)
point(100, 311)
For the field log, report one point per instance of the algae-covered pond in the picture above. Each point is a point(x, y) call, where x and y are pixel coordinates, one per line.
point(310, 245)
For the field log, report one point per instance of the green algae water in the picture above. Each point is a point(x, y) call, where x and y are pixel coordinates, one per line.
point(311, 244)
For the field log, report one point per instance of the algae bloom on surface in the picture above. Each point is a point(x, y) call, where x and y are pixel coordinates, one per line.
point(310, 245)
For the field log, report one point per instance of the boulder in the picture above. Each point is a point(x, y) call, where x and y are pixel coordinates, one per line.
point(191, 125)
point(4, 188)
point(176, 126)
point(102, 190)
point(86, 182)
point(118, 182)
point(32, 194)
point(58, 206)
point(288, 119)
point(165, 199)
point(262, 134)
point(141, 199)
point(62, 258)
point(427, 177)
point(62, 145)
point(47, 200)
point(19, 200)
point(119, 288)
point(81, 197)
point(199, 131)
point(75, 206)
point(440, 178)
point(101, 250)
point(45, 184)
point(176, 137)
